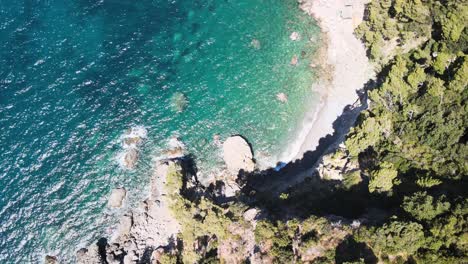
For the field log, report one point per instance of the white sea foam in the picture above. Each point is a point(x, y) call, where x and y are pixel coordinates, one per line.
point(131, 139)
point(133, 133)
point(175, 142)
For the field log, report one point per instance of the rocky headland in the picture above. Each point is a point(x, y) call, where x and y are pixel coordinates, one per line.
point(146, 233)
point(141, 230)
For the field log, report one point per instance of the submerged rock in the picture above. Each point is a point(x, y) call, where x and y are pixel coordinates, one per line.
point(294, 60)
point(282, 97)
point(179, 102)
point(116, 197)
point(255, 43)
point(130, 158)
point(133, 137)
point(238, 155)
point(295, 36)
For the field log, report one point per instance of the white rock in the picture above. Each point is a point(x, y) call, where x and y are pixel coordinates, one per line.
point(238, 155)
point(116, 197)
point(295, 36)
point(125, 225)
point(250, 214)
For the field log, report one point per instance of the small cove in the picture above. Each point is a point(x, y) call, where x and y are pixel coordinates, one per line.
point(75, 76)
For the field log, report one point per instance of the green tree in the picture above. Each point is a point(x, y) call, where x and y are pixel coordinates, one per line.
point(424, 207)
point(383, 179)
point(454, 22)
point(460, 78)
point(393, 238)
point(411, 10)
point(428, 182)
point(416, 78)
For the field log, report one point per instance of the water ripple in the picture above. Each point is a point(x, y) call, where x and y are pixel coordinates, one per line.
point(75, 76)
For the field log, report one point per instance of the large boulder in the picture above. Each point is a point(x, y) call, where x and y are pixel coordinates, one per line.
point(238, 155)
point(116, 197)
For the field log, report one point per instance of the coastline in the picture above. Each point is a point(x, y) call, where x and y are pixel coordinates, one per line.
point(344, 69)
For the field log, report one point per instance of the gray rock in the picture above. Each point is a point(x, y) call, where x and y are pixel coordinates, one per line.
point(130, 258)
point(116, 197)
point(130, 158)
point(50, 260)
point(238, 155)
point(126, 223)
point(88, 255)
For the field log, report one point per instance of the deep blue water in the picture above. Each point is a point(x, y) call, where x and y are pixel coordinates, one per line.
point(75, 75)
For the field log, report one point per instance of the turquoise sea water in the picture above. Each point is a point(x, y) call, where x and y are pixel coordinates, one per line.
point(75, 75)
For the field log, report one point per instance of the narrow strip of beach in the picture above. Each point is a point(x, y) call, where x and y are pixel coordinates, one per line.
point(344, 69)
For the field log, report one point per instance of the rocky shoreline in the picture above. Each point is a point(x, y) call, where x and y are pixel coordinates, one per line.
point(144, 233)
point(147, 231)
point(141, 230)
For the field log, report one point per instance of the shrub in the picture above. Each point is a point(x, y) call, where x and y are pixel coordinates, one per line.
point(424, 207)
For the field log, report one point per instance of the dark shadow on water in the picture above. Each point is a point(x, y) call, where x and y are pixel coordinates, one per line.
point(276, 181)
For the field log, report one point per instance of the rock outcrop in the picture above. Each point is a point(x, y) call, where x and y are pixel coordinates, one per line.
point(334, 166)
point(142, 230)
point(50, 260)
point(116, 197)
point(130, 158)
point(89, 255)
point(238, 155)
point(131, 140)
point(126, 223)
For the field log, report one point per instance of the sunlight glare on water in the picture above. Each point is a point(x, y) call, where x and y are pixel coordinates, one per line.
point(75, 76)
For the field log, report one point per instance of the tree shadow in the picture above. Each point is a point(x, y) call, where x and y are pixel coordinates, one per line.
point(351, 251)
point(276, 180)
point(307, 192)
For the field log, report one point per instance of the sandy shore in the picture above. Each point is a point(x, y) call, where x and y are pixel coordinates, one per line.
point(345, 69)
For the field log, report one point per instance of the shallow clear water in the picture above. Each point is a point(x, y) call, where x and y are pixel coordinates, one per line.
point(75, 75)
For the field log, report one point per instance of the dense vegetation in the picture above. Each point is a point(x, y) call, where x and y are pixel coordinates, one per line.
point(204, 223)
point(409, 191)
point(410, 144)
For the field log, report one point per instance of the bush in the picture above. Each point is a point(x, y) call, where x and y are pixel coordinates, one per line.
point(423, 207)
point(394, 238)
point(383, 179)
